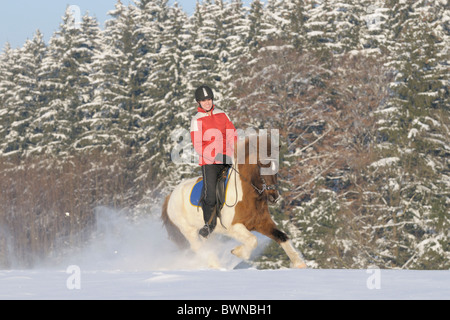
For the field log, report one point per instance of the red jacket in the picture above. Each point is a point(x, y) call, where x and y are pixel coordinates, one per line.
point(212, 134)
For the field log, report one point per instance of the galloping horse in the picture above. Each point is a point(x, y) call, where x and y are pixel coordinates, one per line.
point(250, 192)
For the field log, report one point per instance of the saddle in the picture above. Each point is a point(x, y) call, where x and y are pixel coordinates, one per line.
point(196, 196)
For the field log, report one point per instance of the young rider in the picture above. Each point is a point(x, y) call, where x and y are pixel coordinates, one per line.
point(213, 136)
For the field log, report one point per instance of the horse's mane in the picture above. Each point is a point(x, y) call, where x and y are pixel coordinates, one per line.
point(248, 148)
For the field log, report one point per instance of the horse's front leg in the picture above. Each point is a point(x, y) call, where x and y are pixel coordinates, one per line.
point(294, 256)
point(269, 229)
point(249, 242)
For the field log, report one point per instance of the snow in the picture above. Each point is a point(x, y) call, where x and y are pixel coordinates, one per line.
point(135, 260)
point(387, 110)
point(226, 285)
point(385, 162)
point(412, 133)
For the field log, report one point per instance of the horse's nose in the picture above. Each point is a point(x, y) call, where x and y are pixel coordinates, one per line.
point(275, 197)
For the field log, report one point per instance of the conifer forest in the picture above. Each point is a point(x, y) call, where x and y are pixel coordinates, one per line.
point(358, 89)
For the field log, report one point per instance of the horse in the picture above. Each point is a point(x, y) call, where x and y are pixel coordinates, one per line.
point(249, 191)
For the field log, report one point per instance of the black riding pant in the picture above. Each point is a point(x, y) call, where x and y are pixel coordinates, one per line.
point(211, 173)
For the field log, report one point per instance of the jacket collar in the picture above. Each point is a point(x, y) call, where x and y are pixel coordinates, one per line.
point(200, 109)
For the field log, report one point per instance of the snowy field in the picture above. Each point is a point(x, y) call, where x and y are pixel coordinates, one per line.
point(136, 261)
point(225, 285)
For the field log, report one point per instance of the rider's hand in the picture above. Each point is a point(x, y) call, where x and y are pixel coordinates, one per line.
point(223, 159)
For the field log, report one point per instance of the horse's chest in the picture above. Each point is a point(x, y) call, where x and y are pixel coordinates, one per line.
point(248, 213)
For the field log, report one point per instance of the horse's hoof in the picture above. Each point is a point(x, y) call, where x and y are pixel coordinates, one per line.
point(235, 251)
point(300, 265)
point(240, 252)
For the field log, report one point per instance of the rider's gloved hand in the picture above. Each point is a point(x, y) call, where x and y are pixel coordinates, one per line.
point(223, 159)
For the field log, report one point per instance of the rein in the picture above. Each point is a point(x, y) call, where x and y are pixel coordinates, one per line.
point(264, 187)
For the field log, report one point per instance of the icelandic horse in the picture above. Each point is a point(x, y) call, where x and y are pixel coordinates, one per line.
point(249, 191)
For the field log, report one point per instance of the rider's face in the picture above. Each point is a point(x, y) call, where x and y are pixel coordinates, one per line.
point(206, 104)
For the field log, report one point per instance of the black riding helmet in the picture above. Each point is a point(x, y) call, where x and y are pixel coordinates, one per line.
point(203, 93)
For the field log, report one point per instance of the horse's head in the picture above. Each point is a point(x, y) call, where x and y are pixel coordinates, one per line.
point(268, 176)
point(261, 163)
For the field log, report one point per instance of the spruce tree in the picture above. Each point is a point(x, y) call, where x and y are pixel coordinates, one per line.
point(109, 82)
point(202, 56)
point(8, 68)
point(255, 23)
point(88, 47)
point(334, 25)
point(21, 95)
point(374, 31)
point(163, 96)
point(27, 95)
point(65, 84)
point(414, 228)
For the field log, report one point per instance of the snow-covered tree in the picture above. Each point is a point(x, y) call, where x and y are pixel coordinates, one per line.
point(374, 32)
point(357, 89)
point(202, 56)
point(333, 25)
point(414, 129)
point(8, 75)
point(22, 97)
point(255, 23)
point(64, 83)
point(164, 93)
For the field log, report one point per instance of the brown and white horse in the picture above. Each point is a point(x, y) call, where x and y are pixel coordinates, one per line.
point(249, 193)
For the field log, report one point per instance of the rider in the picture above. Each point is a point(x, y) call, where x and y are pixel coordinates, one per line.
point(213, 136)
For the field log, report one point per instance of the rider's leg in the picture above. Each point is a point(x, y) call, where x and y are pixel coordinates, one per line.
point(210, 173)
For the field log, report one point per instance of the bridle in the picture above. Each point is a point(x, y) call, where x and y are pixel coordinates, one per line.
point(264, 187)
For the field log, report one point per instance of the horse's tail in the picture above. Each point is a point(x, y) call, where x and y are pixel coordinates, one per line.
point(174, 232)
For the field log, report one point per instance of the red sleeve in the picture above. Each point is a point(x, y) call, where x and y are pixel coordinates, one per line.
point(196, 136)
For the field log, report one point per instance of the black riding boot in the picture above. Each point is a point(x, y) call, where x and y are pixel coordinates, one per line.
point(210, 217)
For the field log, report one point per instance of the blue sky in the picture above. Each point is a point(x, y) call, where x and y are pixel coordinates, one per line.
point(19, 19)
